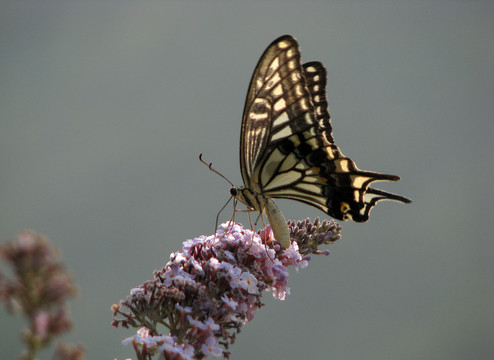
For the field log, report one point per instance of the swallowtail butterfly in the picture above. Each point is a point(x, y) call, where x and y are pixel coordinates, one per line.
point(287, 148)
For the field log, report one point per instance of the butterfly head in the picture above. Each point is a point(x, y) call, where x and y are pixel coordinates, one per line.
point(248, 197)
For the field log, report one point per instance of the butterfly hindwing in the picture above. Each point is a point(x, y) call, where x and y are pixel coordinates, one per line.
point(316, 79)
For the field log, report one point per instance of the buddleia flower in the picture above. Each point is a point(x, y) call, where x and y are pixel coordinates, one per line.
point(197, 303)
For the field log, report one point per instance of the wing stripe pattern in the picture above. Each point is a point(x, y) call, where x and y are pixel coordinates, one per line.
point(287, 148)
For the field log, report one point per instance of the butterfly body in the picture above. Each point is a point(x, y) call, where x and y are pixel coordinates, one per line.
point(264, 204)
point(287, 148)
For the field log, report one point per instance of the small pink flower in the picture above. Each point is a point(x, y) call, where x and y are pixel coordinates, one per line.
point(249, 283)
point(231, 303)
point(184, 309)
point(41, 324)
point(210, 347)
point(211, 325)
point(196, 323)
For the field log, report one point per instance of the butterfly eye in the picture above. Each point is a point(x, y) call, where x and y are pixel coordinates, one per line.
point(234, 191)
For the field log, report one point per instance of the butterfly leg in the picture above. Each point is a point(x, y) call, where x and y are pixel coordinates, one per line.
point(253, 227)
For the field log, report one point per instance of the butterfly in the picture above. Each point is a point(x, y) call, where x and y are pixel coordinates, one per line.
point(287, 148)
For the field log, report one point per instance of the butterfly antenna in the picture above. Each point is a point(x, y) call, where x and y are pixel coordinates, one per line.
point(210, 166)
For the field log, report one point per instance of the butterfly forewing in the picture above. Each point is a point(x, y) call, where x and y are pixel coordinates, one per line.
point(287, 148)
point(277, 75)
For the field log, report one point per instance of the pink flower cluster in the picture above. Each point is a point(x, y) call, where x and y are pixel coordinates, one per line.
point(197, 303)
point(208, 291)
point(38, 288)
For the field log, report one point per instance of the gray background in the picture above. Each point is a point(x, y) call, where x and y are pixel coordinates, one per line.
point(105, 106)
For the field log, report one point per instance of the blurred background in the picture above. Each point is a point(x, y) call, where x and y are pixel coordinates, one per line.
point(105, 107)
